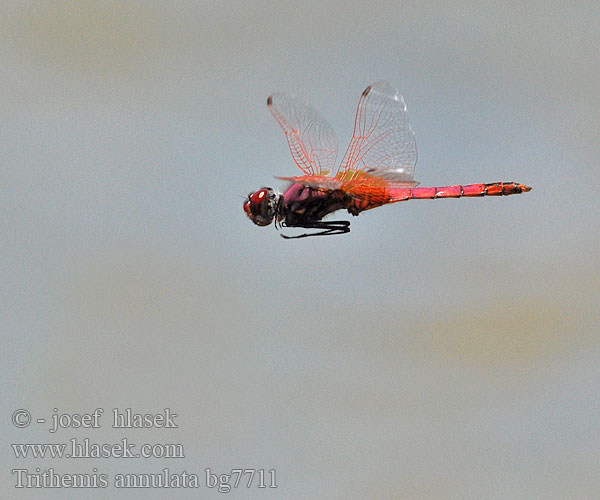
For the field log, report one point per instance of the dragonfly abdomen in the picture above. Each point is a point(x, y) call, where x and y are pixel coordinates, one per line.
point(375, 197)
point(490, 189)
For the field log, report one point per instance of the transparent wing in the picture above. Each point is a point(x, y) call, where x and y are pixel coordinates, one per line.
point(312, 140)
point(383, 143)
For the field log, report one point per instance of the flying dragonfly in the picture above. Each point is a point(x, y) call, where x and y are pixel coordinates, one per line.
point(378, 166)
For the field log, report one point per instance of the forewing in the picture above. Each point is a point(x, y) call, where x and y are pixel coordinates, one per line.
point(312, 140)
point(383, 143)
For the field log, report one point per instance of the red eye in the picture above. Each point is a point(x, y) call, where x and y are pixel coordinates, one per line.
point(259, 197)
point(259, 206)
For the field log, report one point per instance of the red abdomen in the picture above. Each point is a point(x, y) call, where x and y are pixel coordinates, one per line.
point(380, 195)
point(491, 189)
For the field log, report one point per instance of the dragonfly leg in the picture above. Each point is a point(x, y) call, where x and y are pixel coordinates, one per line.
point(329, 228)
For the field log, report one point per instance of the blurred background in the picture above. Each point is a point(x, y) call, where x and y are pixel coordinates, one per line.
point(442, 350)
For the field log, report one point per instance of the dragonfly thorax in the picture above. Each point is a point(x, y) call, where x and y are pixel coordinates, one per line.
point(261, 206)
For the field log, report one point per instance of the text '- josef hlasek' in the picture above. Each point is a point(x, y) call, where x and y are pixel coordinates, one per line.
point(121, 419)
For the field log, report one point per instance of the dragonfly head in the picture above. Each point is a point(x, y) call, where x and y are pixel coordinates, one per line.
point(260, 206)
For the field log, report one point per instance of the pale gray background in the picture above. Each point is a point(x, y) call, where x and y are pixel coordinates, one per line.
point(442, 350)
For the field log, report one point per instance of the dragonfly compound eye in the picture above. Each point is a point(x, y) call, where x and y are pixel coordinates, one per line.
point(260, 206)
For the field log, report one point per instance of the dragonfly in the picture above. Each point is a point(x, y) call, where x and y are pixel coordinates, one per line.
point(378, 166)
